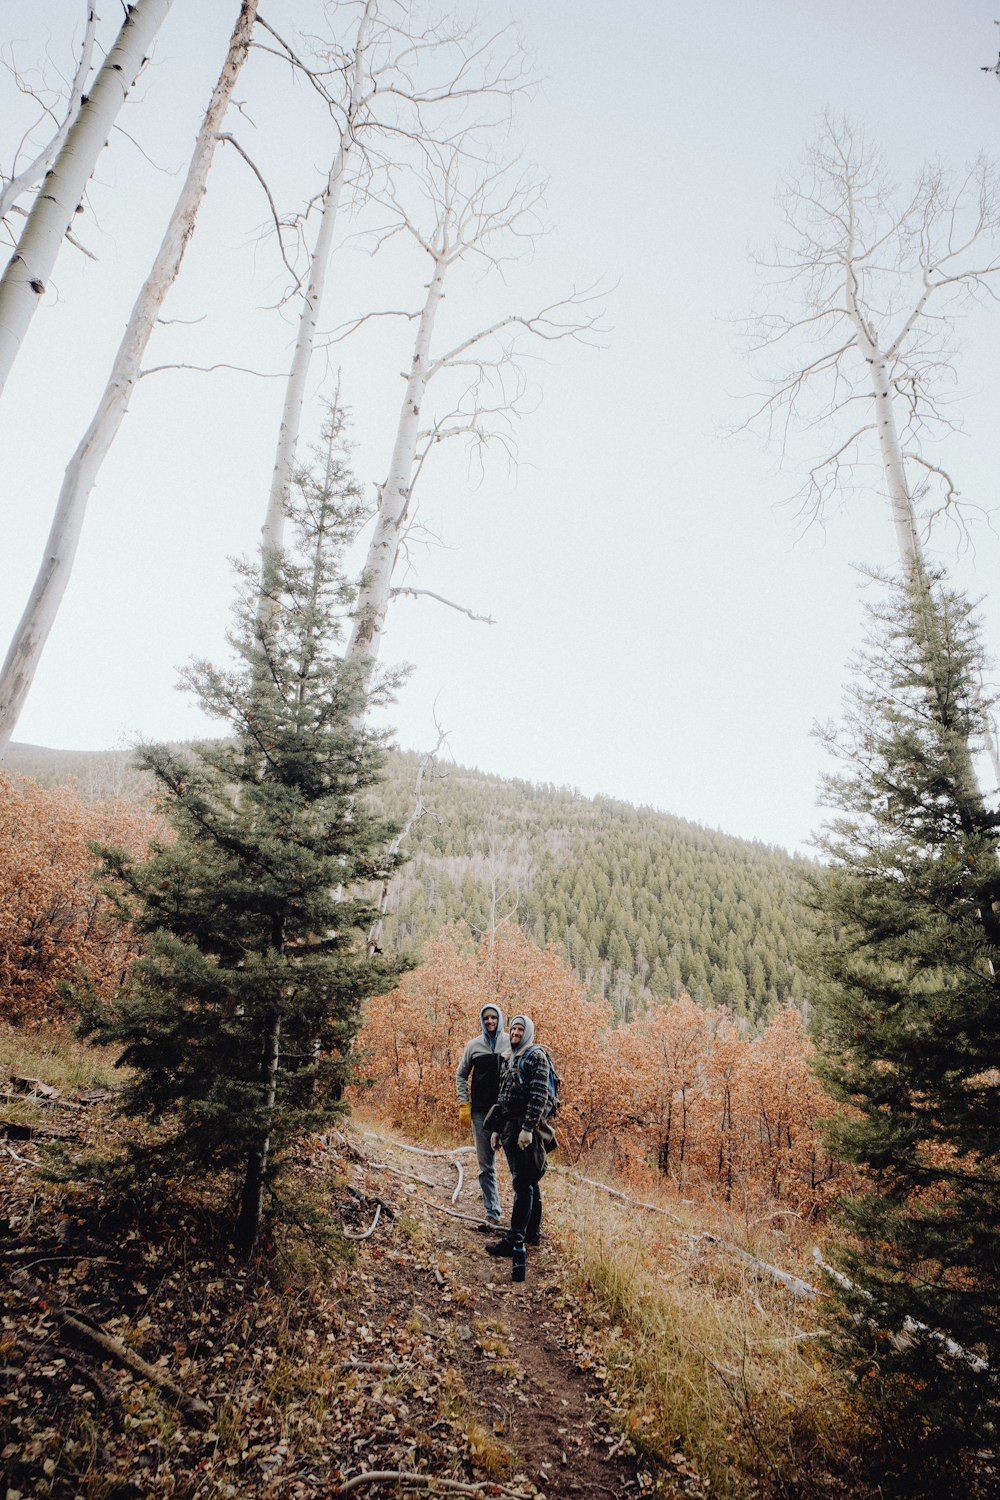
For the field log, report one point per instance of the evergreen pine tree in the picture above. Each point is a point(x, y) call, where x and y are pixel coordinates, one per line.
point(236, 1024)
point(908, 1005)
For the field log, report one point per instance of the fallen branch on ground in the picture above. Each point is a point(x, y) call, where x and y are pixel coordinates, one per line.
point(912, 1330)
point(652, 1208)
point(366, 1234)
point(387, 1140)
point(461, 1180)
point(429, 1481)
point(451, 1212)
point(383, 1166)
point(793, 1284)
point(195, 1411)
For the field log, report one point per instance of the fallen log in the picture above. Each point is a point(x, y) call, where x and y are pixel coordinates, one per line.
point(791, 1283)
point(652, 1208)
point(912, 1330)
point(82, 1330)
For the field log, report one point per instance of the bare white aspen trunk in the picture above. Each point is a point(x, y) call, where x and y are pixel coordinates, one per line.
point(383, 550)
point(900, 499)
point(81, 473)
point(897, 489)
point(29, 268)
point(21, 181)
point(272, 530)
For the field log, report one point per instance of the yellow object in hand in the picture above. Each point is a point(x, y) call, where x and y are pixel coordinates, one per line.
point(465, 1116)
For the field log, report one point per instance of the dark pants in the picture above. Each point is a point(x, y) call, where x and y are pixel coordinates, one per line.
point(526, 1213)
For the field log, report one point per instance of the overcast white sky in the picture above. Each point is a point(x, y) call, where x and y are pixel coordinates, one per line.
point(662, 634)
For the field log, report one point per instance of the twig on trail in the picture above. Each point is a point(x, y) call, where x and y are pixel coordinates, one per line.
point(366, 1234)
point(429, 1481)
point(30, 1255)
point(461, 1180)
point(383, 1166)
point(387, 1140)
point(652, 1208)
point(380, 1367)
point(469, 1218)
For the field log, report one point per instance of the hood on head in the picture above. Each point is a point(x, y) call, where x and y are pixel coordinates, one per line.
point(529, 1033)
point(491, 1039)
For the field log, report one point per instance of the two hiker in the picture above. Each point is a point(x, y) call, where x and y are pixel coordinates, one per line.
point(515, 1120)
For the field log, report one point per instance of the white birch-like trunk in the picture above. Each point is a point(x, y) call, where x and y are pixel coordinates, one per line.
point(897, 489)
point(272, 531)
point(81, 473)
point(383, 550)
point(23, 180)
point(25, 279)
point(893, 468)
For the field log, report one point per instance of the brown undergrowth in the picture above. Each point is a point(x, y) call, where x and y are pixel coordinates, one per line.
point(642, 1357)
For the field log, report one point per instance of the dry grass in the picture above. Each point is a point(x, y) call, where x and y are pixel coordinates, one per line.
point(713, 1369)
point(57, 1058)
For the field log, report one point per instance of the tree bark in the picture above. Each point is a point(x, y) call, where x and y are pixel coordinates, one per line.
point(21, 181)
point(255, 1180)
point(272, 530)
point(81, 474)
point(383, 550)
point(25, 279)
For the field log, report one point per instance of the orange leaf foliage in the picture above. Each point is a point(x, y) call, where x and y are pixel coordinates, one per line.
point(54, 921)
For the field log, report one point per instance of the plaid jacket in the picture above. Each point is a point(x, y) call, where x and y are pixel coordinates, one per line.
point(524, 1088)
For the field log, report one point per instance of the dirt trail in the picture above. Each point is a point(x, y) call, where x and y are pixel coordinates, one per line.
point(529, 1382)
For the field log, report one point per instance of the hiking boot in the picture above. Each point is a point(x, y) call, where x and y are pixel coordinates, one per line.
point(532, 1239)
point(490, 1226)
point(502, 1247)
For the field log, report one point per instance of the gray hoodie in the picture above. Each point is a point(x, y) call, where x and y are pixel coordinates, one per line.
point(477, 1077)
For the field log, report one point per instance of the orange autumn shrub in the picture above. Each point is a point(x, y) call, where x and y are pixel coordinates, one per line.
point(715, 1110)
point(412, 1039)
point(55, 924)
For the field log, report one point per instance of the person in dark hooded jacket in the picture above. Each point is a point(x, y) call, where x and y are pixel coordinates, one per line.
point(477, 1081)
point(518, 1123)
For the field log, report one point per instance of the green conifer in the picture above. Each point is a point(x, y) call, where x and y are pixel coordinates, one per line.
point(908, 956)
point(236, 1025)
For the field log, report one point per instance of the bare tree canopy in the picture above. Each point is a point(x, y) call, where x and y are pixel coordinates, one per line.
point(860, 345)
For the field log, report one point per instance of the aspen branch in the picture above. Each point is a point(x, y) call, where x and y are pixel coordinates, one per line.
point(209, 369)
point(388, 1140)
point(195, 1411)
point(396, 593)
point(231, 140)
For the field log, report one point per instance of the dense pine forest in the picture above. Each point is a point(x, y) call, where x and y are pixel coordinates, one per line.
point(643, 904)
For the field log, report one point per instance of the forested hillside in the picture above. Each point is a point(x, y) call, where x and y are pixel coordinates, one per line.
point(643, 903)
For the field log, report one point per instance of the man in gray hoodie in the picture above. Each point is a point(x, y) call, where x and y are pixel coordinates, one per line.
point(477, 1082)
